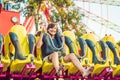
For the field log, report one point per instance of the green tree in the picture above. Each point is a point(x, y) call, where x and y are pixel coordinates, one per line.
point(65, 13)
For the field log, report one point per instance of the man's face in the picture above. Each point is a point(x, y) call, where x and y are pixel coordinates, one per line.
point(52, 31)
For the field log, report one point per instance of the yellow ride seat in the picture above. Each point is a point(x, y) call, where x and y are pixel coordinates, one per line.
point(18, 65)
point(98, 67)
point(4, 61)
point(88, 51)
point(38, 57)
point(76, 47)
point(116, 71)
point(48, 66)
point(116, 68)
point(111, 55)
point(72, 69)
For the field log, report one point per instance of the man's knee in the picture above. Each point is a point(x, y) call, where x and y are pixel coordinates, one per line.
point(53, 56)
point(69, 57)
point(72, 56)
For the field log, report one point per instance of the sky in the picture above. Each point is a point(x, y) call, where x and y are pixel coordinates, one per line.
point(102, 11)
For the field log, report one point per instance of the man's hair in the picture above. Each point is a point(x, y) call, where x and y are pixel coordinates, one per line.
point(51, 25)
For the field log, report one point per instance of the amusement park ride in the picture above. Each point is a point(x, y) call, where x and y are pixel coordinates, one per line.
point(104, 54)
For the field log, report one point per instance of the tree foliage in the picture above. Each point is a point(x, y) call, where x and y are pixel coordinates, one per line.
point(65, 13)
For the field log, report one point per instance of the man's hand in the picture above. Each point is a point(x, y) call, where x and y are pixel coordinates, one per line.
point(43, 29)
